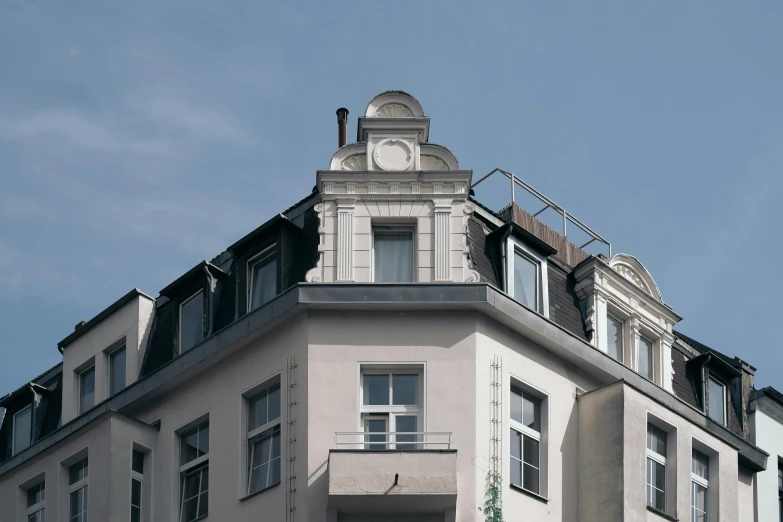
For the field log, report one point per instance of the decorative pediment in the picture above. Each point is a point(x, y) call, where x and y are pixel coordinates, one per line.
point(394, 104)
point(631, 269)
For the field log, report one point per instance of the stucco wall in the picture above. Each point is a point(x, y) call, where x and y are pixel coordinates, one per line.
point(769, 437)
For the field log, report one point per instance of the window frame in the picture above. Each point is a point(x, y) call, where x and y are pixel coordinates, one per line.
point(185, 301)
point(137, 476)
point(651, 361)
point(613, 316)
point(513, 246)
point(198, 464)
point(80, 373)
point(660, 459)
point(541, 436)
point(267, 430)
point(266, 253)
point(39, 506)
point(390, 412)
point(724, 402)
point(14, 451)
point(80, 484)
point(110, 381)
point(698, 480)
point(394, 228)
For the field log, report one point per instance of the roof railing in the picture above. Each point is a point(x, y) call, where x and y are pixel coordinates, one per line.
point(548, 203)
point(389, 440)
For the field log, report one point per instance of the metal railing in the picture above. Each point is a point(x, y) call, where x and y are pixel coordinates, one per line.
point(388, 440)
point(548, 203)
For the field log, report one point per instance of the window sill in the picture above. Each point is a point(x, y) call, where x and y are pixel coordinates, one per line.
point(529, 493)
point(662, 513)
point(253, 494)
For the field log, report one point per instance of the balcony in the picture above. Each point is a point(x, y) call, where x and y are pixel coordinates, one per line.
point(393, 473)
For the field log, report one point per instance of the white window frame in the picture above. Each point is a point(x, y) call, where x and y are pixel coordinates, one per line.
point(653, 351)
point(260, 257)
point(191, 466)
point(272, 426)
point(623, 331)
point(542, 298)
point(39, 506)
point(669, 462)
point(109, 356)
point(82, 483)
point(179, 332)
point(660, 459)
point(705, 483)
point(135, 475)
point(14, 451)
point(540, 436)
point(724, 421)
point(394, 228)
point(79, 387)
point(390, 412)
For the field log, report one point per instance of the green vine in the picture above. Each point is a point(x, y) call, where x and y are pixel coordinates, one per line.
point(493, 508)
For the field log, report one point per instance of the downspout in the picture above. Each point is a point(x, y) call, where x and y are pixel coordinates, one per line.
point(209, 299)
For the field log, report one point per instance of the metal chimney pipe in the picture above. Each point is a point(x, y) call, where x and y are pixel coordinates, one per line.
point(342, 126)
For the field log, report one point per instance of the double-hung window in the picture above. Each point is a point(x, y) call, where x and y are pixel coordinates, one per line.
point(645, 362)
point(77, 491)
point(194, 473)
point(263, 439)
point(391, 409)
point(23, 429)
point(137, 482)
point(700, 474)
point(191, 322)
point(393, 254)
point(262, 273)
point(86, 389)
point(656, 467)
point(614, 337)
point(117, 370)
point(717, 400)
point(36, 497)
point(525, 440)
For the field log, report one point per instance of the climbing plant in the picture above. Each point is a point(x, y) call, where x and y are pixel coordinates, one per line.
point(493, 509)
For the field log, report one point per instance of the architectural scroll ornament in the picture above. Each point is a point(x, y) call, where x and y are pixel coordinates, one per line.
point(629, 274)
point(432, 163)
point(393, 110)
point(315, 274)
point(355, 162)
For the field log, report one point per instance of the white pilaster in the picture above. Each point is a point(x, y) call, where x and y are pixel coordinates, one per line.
point(345, 212)
point(600, 333)
point(442, 239)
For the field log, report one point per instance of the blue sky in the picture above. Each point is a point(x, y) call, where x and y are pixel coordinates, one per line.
point(138, 138)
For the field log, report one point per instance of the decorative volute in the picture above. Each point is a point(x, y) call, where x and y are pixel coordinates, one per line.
point(393, 177)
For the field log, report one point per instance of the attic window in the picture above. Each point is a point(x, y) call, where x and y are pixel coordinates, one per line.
point(191, 322)
point(717, 401)
point(23, 429)
point(262, 270)
point(526, 271)
point(393, 254)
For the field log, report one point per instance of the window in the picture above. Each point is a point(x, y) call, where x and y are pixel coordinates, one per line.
point(656, 467)
point(86, 389)
point(117, 370)
point(717, 401)
point(194, 473)
point(23, 429)
point(525, 440)
point(614, 336)
point(191, 322)
point(36, 497)
point(263, 439)
point(263, 277)
point(526, 277)
point(780, 492)
point(77, 491)
point(391, 409)
point(525, 280)
point(645, 365)
point(700, 474)
point(393, 255)
point(137, 480)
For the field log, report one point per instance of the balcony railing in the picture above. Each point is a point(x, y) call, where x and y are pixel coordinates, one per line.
point(388, 440)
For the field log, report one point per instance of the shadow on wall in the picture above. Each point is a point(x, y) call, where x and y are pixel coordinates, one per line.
point(570, 459)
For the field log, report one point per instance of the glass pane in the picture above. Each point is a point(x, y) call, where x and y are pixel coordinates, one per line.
point(530, 451)
point(191, 487)
point(76, 506)
point(135, 514)
point(23, 429)
point(257, 411)
point(376, 390)
point(516, 445)
point(38, 516)
point(530, 478)
point(699, 500)
point(525, 281)
point(36, 494)
point(405, 390)
point(274, 403)
point(405, 423)
point(192, 322)
point(526, 409)
point(656, 484)
point(275, 445)
point(614, 337)
point(203, 505)
point(717, 401)
point(138, 462)
point(117, 371)
point(77, 472)
point(701, 465)
point(375, 426)
point(194, 443)
point(135, 492)
point(87, 390)
point(274, 475)
point(516, 472)
point(393, 257)
point(645, 357)
point(190, 510)
point(264, 282)
point(656, 440)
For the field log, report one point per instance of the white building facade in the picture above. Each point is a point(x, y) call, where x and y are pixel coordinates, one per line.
point(389, 349)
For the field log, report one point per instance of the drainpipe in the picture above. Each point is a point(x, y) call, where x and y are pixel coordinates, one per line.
point(211, 279)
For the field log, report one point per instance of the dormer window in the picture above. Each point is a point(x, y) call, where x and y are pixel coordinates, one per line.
point(191, 321)
point(262, 271)
point(716, 401)
point(525, 285)
point(393, 254)
point(23, 429)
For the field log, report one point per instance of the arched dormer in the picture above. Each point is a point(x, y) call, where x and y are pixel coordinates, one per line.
point(633, 270)
point(394, 104)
